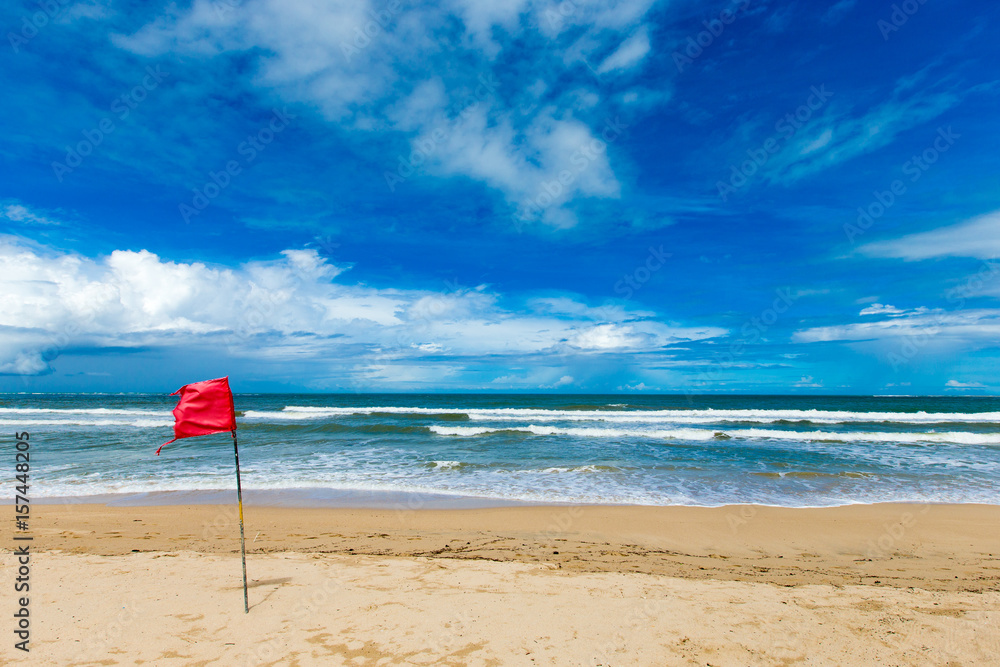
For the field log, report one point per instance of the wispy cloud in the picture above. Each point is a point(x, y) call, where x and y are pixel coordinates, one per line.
point(838, 11)
point(978, 237)
point(972, 326)
point(882, 309)
point(629, 54)
point(840, 134)
point(365, 67)
point(19, 213)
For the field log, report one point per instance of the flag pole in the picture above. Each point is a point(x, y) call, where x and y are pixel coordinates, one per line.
point(243, 548)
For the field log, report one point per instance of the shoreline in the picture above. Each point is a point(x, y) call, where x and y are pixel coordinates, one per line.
point(293, 498)
point(339, 498)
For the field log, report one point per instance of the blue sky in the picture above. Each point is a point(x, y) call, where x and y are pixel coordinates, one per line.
point(751, 196)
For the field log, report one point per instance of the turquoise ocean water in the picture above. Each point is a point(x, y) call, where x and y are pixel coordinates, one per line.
point(649, 450)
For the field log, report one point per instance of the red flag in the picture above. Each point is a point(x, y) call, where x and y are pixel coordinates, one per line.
point(205, 407)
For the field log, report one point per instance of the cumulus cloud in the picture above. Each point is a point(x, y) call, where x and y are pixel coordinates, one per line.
point(635, 387)
point(297, 306)
point(563, 381)
point(364, 66)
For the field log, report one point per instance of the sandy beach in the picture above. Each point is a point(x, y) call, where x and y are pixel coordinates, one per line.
point(557, 585)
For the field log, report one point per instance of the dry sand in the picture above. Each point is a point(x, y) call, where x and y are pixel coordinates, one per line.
point(560, 585)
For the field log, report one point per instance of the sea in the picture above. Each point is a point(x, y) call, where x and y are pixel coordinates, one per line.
point(465, 450)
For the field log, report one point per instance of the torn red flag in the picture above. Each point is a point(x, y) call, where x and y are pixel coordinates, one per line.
point(204, 408)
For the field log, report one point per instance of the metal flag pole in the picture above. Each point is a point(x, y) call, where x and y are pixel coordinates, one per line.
point(243, 548)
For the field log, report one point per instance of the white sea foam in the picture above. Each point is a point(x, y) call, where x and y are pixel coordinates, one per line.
point(739, 434)
point(586, 468)
point(447, 465)
point(468, 430)
point(82, 411)
point(957, 437)
point(531, 488)
point(680, 434)
point(76, 421)
point(709, 416)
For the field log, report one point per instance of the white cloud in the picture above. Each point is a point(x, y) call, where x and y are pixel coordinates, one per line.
point(607, 337)
point(837, 132)
point(971, 326)
point(629, 54)
point(24, 363)
point(295, 307)
point(978, 237)
point(636, 387)
point(882, 309)
point(358, 72)
point(955, 384)
point(563, 381)
point(19, 213)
